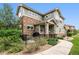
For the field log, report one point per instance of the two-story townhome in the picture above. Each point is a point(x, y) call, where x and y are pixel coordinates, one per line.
point(46, 24)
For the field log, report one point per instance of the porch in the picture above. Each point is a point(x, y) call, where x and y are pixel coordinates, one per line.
point(45, 29)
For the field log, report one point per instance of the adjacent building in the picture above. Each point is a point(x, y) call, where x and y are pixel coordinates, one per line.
point(69, 28)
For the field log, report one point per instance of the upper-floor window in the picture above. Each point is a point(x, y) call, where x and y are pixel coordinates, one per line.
point(46, 16)
point(60, 21)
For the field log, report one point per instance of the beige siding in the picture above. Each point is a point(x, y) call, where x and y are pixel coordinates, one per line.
point(25, 12)
point(48, 16)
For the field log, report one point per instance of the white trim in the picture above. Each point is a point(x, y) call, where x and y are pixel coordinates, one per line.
point(50, 19)
point(47, 28)
point(39, 28)
point(51, 22)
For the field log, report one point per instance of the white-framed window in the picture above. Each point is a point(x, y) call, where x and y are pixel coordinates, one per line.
point(30, 27)
point(60, 21)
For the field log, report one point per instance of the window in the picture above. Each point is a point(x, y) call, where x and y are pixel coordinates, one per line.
point(56, 20)
point(46, 16)
point(30, 27)
point(60, 21)
point(60, 30)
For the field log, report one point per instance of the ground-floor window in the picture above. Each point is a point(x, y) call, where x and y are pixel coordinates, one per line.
point(30, 27)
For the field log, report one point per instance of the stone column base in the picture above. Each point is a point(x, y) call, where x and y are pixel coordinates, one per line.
point(47, 35)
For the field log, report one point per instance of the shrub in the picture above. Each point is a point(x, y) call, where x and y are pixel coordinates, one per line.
point(75, 32)
point(4, 44)
point(10, 40)
point(35, 45)
point(2, 49)
point(15, 48)
point(69, 33)
point(7, 43)
point(15, 38)
point(32, 47)
point(52, 41)
point(42, 41)
point(9, 32)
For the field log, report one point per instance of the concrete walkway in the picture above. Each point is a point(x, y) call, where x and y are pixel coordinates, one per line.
point(62, 48)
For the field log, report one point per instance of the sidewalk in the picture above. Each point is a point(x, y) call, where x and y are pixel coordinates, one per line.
point(62, 48)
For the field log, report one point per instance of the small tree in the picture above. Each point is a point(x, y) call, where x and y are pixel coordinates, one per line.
point(6, 15)
point(7, 18)
point(1, 19)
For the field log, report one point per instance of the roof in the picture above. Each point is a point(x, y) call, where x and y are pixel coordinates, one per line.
point(56, 9)
point(45, 21)
point(69, 25)
point(26, 7)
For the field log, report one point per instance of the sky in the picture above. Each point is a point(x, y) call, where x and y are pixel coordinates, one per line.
point(70, 11)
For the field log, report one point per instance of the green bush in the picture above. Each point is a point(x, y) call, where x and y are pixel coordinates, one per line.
point(69, 33)
point(53, 41)
point(4, 43)
point(9, 32)
point(75, 32)
point(15, 48)
point(15, 39)
point(7, 43)
point(10, 40)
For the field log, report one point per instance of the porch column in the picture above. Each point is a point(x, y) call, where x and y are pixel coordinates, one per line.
point(47, 29)
point(39, 28)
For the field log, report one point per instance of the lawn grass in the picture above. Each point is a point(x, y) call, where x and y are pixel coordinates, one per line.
point(75, 48)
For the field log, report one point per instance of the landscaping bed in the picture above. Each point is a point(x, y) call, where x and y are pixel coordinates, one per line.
point(41, 48)
point(11, 43)
point(44, 44)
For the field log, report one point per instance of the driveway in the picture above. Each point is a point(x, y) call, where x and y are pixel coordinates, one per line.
point(62, 48)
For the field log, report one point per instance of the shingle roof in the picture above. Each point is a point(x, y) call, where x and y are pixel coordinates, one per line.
point(26, 7)
point(69, 25)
